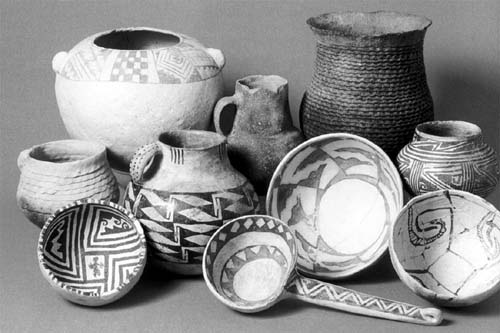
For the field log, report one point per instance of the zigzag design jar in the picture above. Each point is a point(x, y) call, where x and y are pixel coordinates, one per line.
point(449, 155)
point(369, 78)
point(57, 173)
point(125, 87)
point(186, 194)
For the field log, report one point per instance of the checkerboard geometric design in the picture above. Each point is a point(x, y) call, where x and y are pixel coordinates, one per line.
point(131, 66)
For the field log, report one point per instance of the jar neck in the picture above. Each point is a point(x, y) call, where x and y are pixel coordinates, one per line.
point(449, 132)
point(178, 157)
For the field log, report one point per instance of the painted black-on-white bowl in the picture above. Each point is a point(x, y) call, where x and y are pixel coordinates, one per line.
point(445, 246)
point(92, 252)
point(339, 194)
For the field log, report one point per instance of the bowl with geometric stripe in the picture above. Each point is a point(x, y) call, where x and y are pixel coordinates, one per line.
point(92, 252)
point(339, 193)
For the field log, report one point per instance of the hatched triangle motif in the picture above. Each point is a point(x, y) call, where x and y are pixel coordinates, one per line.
point(178, 225)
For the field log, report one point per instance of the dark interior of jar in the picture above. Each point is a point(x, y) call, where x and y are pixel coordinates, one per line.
point(458, 129)
point(136, 40)
point(62, 153)
point(371, 24)
point(191, 139)
point(269, 82)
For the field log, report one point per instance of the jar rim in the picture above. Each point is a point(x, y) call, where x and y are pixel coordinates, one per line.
point(448, 130)
point(368, 24)
point(128, 39)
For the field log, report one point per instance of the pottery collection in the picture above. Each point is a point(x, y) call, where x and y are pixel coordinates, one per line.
point(57, 173)
point(142, 101)
point(445, 247)
point(449, 155)
point(262, 131)
point(125, 87)
point(333, 189)
point(369, 77)
point(185, 195)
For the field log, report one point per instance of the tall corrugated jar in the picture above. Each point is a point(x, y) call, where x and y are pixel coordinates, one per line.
point(369, 77)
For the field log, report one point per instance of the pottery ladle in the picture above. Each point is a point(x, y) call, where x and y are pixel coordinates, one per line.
point(249, 265)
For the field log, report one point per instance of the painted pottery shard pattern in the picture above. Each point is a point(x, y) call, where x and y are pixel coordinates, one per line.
point(449, 245)
point(330, 193)
point(429, 166)
point(316, 290)
point(178, 225)
point(184, 62)
point(92, 249)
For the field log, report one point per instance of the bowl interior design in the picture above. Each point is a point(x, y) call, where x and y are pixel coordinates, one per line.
point(247, 262)
point(92, 252)
point(445, 245)
point(339, 194)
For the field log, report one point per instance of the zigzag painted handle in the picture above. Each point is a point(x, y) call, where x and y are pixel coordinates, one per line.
point(332, 296)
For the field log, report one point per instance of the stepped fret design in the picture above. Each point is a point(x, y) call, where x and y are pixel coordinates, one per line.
point(432, 165)
point(178, 225)
point(92, 249)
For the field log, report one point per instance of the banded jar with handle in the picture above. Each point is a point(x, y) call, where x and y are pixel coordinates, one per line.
point(184, 188)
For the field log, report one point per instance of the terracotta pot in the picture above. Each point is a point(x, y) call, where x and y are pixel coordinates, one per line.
point(449, 155)
point(57, 173)
point(125, 87)
point(262, 132)
point(369, 77)
point(186, 194)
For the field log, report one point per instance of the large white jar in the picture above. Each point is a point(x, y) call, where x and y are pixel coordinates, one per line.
point(125, 87)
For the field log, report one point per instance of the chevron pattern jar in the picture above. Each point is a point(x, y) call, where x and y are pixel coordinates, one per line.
point(186, 194)
point(369, 78)
point(449, 155)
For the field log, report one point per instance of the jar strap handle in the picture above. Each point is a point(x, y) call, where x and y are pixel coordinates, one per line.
point(219, 107)
point(142, 160)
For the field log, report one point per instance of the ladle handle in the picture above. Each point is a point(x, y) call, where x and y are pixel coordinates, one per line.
point(332, 296)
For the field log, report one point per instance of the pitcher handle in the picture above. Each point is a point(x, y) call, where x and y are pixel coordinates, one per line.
point(332, 296)
point(221, 104)
point(142, 158)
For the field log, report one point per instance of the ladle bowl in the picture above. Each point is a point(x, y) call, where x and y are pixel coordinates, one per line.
point(249, 265)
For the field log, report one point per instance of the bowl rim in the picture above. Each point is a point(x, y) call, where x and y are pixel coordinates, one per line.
point(74, 294)
point(426, 292)
point(399, 184)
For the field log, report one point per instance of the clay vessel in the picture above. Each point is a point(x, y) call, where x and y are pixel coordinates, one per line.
point(58, 173)
point(92, 252)
point(449, 155)
point(444, 246)
point(125, 87)
point(189, 190)
point(262, 132)
point(249, 265)
point(369, 77)
point(339, 194)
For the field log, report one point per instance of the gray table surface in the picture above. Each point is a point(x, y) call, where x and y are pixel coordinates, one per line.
point(257, 37)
